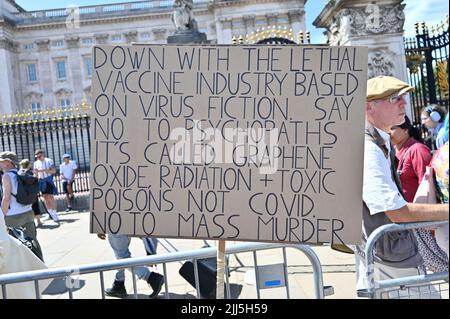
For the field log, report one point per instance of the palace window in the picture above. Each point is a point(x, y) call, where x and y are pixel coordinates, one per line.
point(64, 103)
point(88, 66)
point(116, 38)
point(58, 43)
point(61, 70)
point(87, 41)
point(145, 35)
point(31, 72)
point(35, 108)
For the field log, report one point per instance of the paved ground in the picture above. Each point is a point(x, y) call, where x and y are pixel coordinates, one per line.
point(70, 243)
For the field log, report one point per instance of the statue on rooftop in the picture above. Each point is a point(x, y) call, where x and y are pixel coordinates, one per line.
point(183, 17)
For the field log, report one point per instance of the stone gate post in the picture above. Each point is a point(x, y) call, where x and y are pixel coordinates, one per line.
point(363, 23)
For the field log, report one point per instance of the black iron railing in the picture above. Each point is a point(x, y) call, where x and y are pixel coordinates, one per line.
point(427, 57)
point(57, 132)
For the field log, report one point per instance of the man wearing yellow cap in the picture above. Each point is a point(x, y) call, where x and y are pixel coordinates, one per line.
point(396, 254)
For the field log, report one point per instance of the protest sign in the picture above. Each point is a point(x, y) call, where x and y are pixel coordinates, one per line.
point(254, 143)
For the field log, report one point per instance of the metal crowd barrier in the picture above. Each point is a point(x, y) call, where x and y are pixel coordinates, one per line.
point(410, 287)
point(193, 255)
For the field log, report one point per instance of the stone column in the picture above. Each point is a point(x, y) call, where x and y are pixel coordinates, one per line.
point(272, 19)
point(101, 38)
point(159, 34)
point(238, 27)
point(45, 73)
point(75, 63)
point(249, 21)
point(130, 36)
point(8, 99)
point(224, 32)
point(297, 21)
point(377, 26)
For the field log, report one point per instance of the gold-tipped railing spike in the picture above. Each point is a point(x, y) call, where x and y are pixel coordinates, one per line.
point(76, 109)
point(233, 40)
point(84, 106)
point(261, 33)
point(241, 39)
point(416, 27)
point(308, 37)
point(422, 24)
point(278, 32)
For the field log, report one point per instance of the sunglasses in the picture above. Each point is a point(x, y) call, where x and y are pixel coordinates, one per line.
point(396, 99)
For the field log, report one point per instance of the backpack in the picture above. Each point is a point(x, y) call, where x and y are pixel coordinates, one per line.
point(27, 188)
point(19, 234)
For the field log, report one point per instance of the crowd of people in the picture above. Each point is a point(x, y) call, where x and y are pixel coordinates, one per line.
point(392, 177)
point(398, 160)
point(16, 257)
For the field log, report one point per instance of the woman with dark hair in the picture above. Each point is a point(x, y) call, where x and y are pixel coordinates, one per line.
point(413, 157)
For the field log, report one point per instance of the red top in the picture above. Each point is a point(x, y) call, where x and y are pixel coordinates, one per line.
point(417, 158)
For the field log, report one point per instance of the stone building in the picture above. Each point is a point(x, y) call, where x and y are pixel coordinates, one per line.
point(363, 23)
point(45, 56)
point(378, 25)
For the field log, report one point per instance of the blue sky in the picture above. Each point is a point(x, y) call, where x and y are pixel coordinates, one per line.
point(430, 11)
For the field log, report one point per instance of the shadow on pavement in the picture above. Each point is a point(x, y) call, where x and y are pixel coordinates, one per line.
point(235, 291)
point(49, 224)
point(59, 286)
point(162, 296)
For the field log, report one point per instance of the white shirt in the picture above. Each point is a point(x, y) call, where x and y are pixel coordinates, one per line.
point(379, 190)
point(68, 170)
point(47, 163)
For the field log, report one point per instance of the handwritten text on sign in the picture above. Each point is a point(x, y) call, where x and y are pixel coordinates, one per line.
point(255, 143)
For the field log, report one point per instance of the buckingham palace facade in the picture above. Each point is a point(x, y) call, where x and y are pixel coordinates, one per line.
point(45, 55)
